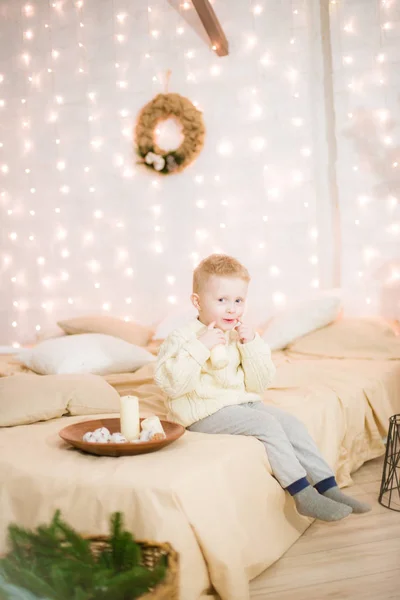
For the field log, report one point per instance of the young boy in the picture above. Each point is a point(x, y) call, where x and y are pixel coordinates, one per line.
point(209, 400)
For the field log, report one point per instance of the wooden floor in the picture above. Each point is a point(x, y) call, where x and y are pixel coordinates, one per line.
point(358, 557)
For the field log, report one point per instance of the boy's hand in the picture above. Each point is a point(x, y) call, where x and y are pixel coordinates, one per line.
point(246, 333)
point(212, 337)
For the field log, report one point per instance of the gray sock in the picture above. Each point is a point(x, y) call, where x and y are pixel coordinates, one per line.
point(312, 504)
point(334, 493)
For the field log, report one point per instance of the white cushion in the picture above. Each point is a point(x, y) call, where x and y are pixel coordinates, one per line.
point(174, 321)
point(9, 350)
point(301, 319)
point(85, 353)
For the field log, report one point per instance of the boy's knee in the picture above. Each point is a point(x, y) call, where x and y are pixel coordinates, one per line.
point(294, 422)
point(270, 421)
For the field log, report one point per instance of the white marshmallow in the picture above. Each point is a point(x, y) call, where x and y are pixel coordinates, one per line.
point(102, 432)
point(88, 437)
point(152, 424)
point(100, 439)
point(145, 435)
point(117, 438)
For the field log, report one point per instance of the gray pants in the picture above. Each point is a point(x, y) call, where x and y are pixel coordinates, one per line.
point(291, 451)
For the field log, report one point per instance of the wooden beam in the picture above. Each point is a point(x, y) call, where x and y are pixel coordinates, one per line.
point(209, 19)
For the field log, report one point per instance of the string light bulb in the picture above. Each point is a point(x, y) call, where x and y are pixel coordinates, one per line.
point(282, 187)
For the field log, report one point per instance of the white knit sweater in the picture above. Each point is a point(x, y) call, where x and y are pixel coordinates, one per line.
point(195, 389)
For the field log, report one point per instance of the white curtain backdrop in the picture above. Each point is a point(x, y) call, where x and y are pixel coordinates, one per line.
point(298, 178)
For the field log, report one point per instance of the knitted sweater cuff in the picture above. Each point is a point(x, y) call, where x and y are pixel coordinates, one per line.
point(255, 347)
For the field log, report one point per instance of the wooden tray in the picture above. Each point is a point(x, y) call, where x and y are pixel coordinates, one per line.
point(73, 434)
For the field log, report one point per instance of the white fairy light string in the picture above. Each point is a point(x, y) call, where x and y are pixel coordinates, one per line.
point(85, 231)
point(371, 183)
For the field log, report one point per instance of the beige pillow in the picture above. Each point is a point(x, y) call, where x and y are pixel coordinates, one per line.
point(30, 398)
point(130, 332)
point(368, 338)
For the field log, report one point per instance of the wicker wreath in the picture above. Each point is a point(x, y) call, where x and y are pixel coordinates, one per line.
point(161, 108)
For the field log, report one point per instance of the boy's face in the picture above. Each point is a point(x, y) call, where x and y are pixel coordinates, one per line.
point(221, 299)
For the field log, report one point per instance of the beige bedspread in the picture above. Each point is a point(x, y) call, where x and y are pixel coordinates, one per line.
point(212, 497)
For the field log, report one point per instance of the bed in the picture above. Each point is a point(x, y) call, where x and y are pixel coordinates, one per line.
point(212, 497)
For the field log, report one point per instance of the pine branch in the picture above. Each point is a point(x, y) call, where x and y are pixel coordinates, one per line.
point(9, 591)
point(125, 552)
point(131, 584)
point(28, 580)
point(76, 546)
point(56, 562)
point(12, 592)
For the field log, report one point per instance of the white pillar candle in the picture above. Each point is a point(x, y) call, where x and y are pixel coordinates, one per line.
point(130, 424)
point(219, 357)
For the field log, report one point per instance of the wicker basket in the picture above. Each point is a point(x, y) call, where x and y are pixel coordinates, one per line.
point(168, 589)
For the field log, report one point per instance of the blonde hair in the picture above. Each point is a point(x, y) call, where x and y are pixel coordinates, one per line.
point(221, 265)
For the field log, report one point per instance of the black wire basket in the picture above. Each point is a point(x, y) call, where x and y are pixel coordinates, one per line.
point(389, 494)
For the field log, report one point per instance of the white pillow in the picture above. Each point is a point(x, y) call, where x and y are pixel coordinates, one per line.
point(85, 353)
point(9, 350)
point(174, 321)
point(301, 319)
